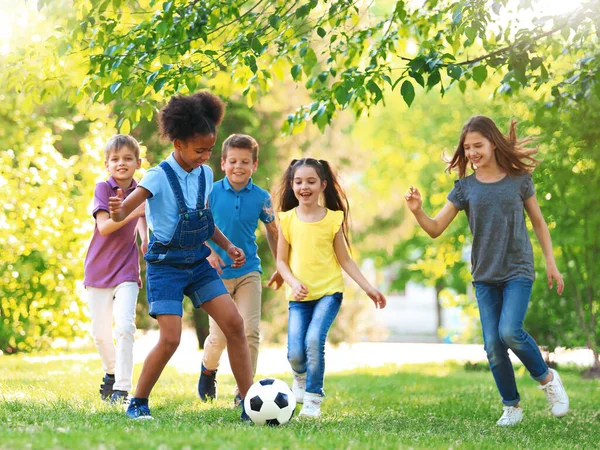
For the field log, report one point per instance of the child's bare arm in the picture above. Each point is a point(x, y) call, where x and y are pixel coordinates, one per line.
point(272, 235)
point(283, 253)
point(119, 209)
point(350, 267)
point(142, 229)
point(432, 226)
point(235, 253)
point(276, 279)
point(107, 226)
point(543, 234)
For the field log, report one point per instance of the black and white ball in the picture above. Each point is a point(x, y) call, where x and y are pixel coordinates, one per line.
point(270, 401)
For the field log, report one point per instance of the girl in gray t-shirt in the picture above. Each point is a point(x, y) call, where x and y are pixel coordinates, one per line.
point(495, 197)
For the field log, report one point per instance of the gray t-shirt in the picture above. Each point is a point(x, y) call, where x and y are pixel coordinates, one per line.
point(501, 246)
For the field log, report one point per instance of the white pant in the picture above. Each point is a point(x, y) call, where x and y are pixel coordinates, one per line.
point(104, 303)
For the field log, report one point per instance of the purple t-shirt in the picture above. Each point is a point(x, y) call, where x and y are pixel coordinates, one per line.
point(112, 259)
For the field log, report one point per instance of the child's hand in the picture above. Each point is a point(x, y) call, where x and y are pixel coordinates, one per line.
point(299, 291)
point(276, 281)
point(115, 206)
point(377, 298)
point(216, 262)
point(413, 199)
point(553, 274)
point(144, 246)
point(237, 254)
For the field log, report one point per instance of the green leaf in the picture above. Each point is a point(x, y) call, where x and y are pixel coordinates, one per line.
point(275, 21)
point(471, 33)
point(479, 74)
point(321, 32)
point(115, 87)
point(310, 59)
point(342, 95)
point(151, 78)
point(462, 85)
point(256, 46)
point(454, 71)
point(434, 78)
point(408, 92)
point(372, 86)
point(159, 84)
point(302, 11)
point(296, 72)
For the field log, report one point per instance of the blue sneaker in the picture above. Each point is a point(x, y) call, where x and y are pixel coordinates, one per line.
point(207, 384)
point(244, 416)
point(138, 409)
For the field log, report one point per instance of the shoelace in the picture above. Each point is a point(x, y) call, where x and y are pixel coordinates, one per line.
point(551, 393)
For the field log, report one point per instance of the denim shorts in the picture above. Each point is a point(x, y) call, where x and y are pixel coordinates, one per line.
point(175, 274)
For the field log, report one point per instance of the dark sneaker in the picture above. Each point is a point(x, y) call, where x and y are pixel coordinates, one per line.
point(237, 400)
point(244, 416)
point(119, 398)
point(207, 384)
point(106, 388)
point(138, 409)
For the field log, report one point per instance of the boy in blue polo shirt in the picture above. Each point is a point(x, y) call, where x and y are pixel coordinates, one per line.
point(237, 205)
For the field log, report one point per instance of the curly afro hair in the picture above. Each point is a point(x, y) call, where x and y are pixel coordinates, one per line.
point(186, 116)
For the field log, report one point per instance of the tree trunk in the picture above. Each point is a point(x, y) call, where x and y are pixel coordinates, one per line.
point(201, 324)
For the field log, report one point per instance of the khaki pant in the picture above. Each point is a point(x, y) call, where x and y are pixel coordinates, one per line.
point(246, 292)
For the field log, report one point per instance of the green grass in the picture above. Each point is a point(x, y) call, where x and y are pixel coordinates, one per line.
point(55, 405)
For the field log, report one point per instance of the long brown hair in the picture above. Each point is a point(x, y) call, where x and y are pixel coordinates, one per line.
point(334, 196)
point(511, 153)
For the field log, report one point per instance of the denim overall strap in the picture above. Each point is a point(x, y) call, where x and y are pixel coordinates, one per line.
point(201, 188)
point(175, 187)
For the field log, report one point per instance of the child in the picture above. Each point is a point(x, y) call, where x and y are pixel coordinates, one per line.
point(311, 251)
point(112, 270)
point(238, 204)
point(180, 223)
point(493, 198)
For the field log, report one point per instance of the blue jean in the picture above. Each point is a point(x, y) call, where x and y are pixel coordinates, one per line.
point(308, 325)
point(502, 308)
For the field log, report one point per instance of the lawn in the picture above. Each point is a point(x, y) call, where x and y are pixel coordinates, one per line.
point(55, 405)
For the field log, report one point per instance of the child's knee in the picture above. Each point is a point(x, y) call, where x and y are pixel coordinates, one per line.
point(124, 329)
point(233, 326)
point(170, 340)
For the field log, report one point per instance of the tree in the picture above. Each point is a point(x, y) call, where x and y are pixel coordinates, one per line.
point(343, 53)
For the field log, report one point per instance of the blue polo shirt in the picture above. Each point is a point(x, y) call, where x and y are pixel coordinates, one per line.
point(162, 212)
point(237, 215)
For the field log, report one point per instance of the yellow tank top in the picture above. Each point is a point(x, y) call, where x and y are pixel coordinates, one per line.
point(312, 258)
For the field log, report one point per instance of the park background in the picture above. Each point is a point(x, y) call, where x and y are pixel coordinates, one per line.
point(381, 89)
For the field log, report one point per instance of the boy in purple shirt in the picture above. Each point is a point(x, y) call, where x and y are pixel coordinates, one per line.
point(112, 270)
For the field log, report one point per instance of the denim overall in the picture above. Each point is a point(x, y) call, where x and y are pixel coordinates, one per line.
point(179, 267)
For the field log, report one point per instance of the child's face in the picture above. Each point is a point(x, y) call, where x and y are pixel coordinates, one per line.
point(307, 185)
point(122, 163)
point(479, 150)
point(194, 151)
point(238, 166)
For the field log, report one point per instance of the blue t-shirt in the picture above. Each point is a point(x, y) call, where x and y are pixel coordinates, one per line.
point(162, 212)
point(236, 215)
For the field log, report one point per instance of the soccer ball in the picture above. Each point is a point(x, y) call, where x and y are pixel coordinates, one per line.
point(270, 401)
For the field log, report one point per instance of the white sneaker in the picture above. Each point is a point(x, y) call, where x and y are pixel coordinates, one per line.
point(299, 386)
point(311, 406)
point(511, 416)
point(556, 395)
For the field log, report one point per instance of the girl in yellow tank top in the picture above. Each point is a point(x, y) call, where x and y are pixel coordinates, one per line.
point(312, 250)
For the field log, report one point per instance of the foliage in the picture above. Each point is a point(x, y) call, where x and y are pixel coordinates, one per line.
point(438, 405)
point(567, 183)
point(346, 53)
